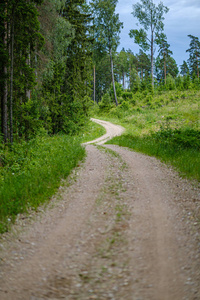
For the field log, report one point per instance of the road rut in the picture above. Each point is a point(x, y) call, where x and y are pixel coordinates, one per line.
point(123, 227)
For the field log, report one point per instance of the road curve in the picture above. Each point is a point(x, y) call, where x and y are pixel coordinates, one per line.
point(112, 130)
point(123, 227)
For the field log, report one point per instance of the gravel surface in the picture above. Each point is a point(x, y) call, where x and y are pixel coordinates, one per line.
point(123, 226)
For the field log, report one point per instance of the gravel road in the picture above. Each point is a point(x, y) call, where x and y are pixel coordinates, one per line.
point(122, 227)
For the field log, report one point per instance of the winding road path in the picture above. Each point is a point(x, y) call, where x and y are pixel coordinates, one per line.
point(123, 228)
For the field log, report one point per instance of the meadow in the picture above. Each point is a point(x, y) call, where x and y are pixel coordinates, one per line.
point(164, 124)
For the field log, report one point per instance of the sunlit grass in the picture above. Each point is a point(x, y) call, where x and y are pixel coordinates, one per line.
point(32, 173)
point(162, 112)
point(91, 132)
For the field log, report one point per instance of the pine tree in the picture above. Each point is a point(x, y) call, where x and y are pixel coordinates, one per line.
point(164, 52)
point(20, 28)
point(122, 65)
point(106, 31)
point(151, 18)
point(194, 52)
point(184, 68)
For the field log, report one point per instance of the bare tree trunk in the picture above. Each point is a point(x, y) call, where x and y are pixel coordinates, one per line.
point(152, 41)
point(197, 66)
point(4, 108)
point(123, 80)
point(165, 71)
point(11, 77)
point(113, 80)
point(4, 98)
point(94, 84)
point(28, 62)
point(36, 74)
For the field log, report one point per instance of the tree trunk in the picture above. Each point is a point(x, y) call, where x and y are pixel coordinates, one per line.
point(165, 70)
point(94, 84)
point(197, 66)
point(11, 77)
point(4, 89)
point(4, 108)
point(152, 41)
point(113, 80)
point(28, 62)
point(123, 80)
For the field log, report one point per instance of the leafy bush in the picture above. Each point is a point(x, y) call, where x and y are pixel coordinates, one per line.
point(106, 103)
point(179, 138)
point(170, 83)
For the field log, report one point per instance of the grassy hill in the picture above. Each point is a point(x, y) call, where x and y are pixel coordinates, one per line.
point(164, 124)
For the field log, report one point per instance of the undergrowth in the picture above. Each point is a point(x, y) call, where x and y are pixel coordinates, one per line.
point(32, 171)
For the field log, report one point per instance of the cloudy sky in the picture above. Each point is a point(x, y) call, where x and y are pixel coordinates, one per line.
point(182, 19)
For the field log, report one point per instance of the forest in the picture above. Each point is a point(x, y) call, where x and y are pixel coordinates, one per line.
point(60, 66)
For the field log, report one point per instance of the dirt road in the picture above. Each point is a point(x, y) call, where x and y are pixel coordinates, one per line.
point(123, 227)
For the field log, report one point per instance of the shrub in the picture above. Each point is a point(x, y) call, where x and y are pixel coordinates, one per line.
point(106, 103)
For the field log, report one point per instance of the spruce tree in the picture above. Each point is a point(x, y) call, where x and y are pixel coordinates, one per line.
point(194, 52)
point(107, 27)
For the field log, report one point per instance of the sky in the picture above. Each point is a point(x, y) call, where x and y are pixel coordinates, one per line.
point(182, 19)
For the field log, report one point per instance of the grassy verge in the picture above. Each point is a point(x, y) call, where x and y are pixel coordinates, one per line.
point(185, 157)
point(91, 132)
point(165, 125)
point(32, 172)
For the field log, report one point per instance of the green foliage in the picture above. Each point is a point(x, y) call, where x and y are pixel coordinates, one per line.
point(119, 90)
point(165, 67)
point(51, 66)
point(134, 81)
point(91, 132)
point(151, 18)
point(31, 172)
point(106, 29)
point(185, 138)
point(194, 59)
point(122, 65)
point(176, 148)
point(106, 103)
point(170, 83)
point(107, 24)
point(164, 124)
point(127, 95)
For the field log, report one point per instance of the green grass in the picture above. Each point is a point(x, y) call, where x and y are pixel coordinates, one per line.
point(165, 125)
point(186, 159)
point(32, 173)
point(91, 132)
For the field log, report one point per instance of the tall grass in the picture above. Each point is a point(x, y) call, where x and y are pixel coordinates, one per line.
point(163, 124)
point(184, 155)
point(32, 172)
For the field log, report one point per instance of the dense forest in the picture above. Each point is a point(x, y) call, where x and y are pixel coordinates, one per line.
point(59, 64)
point(58, 56)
